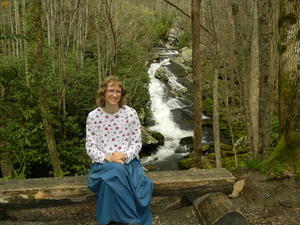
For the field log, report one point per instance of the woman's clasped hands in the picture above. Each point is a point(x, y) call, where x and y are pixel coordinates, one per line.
point(118, 157)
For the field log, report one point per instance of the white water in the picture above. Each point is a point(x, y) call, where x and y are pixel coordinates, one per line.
point(161, 109)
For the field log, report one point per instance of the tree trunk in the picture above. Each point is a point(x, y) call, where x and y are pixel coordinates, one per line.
point(38, 71)
point(216, 120)
point(197, 82)
point(253, 83)
point(25, 45)
point(288, 148)
point(242, 34)
point(266, 18)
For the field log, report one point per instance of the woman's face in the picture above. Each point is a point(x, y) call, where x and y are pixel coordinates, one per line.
point(113, 94)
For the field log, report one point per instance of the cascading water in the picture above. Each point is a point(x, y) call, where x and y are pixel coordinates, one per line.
point(162, 106)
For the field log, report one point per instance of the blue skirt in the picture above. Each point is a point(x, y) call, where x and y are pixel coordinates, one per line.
point(123, 192)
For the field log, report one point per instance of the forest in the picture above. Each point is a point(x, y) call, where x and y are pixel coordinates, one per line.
point(54, 55)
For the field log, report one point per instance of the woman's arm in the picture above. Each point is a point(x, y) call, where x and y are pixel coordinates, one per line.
point(135, 138)
point(91, 142)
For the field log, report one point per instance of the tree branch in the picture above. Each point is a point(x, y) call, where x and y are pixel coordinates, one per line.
point(186, 14)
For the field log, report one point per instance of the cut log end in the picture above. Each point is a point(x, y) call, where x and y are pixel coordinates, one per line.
point(217, 209)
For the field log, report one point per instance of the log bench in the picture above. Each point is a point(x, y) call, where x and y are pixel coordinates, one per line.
point(18, 194)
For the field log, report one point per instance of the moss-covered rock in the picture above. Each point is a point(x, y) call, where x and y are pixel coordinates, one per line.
point(186, 163)
point(159, 137)
point(147, 138)
point(187, 141)
point(161, 75)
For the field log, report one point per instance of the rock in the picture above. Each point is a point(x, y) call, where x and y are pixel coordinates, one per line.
point(178, 92)
point(184, 59)
point(147, 138)
point(187, 141)
point(159, 137)
point(174, 33)
point(150, 144)
point(179, 62)
point(161, 75)
point(186, 56)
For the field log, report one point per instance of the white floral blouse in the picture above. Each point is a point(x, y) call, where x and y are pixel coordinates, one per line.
point(107, 133)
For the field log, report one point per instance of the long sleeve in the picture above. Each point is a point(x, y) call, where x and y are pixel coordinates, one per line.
point(91, 142)
point(135, 138)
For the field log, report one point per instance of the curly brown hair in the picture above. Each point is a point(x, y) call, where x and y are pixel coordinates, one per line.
point(100, 95)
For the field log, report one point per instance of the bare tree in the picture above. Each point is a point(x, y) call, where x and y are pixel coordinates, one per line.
point(197, 152)
point(253, 85)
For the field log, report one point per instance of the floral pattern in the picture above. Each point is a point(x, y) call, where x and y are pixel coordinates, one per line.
point(107, 133)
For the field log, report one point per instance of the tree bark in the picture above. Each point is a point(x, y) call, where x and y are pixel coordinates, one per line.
point(288, 147)
point(241, 16)
point(253, 82)
point(216, 119)
point(197, 153)
point(267, 70)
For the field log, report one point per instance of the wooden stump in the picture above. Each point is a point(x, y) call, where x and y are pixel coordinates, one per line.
point(217, 209)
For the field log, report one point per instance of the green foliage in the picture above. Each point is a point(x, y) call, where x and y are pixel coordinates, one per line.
point(183, 40)
point(162, 26)
point(22, 129)
point(254, 164)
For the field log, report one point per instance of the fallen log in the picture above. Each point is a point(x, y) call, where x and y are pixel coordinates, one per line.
point(217, 209)
point(39, 191)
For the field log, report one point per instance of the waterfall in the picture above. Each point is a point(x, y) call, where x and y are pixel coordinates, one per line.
point(161, 107)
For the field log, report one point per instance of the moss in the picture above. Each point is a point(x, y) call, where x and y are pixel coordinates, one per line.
point(229, 162)
point(285, 156)
point(186, 163)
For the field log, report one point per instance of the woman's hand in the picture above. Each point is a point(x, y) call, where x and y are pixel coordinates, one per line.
point(118, 157)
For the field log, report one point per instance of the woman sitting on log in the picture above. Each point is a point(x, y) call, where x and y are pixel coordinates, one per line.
point(113, 142)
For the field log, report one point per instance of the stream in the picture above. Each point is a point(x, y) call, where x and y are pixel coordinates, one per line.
point(173, 115)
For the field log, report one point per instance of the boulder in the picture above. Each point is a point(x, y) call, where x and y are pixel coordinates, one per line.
point(159, 137)
point(161, 74)
point(147, 138)
point(150, 144)
point(178, 61)
point(179, 92)
point(187, 141)
point(186, 56)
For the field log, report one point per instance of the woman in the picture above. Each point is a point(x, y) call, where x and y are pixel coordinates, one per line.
point(113, 141)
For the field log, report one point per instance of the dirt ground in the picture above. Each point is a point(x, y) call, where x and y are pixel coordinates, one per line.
point(263, 201)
